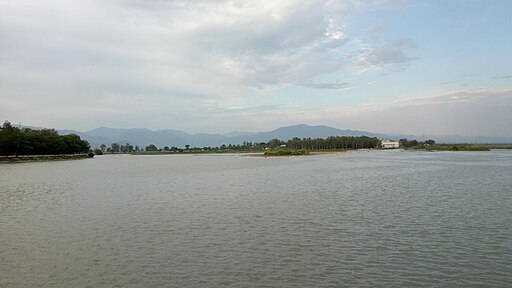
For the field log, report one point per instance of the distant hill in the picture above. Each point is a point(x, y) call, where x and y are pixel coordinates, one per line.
point(237, 133)
point(136, 136)
point(170, 137)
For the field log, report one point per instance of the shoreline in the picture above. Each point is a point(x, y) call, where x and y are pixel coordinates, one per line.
point(243, 153)
point(40, 158)
point(312, 153)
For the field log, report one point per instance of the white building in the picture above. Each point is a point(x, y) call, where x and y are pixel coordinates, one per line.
point(386, 144)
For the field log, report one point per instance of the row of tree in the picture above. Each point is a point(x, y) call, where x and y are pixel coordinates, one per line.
point(26, 141)
point(334, 142)
point(329, 143)
point(245, 146)
point(414, 143)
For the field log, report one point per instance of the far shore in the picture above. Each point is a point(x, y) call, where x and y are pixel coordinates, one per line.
point(239, 153)
point(311, 153)
point(62, 157)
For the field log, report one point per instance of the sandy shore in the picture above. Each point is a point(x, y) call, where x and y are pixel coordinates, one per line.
point(312, 153)
point(329, 152)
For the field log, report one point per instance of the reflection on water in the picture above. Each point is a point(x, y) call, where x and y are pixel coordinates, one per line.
point(389, 218)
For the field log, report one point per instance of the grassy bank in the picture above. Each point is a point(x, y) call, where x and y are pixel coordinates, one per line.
point(452, 148)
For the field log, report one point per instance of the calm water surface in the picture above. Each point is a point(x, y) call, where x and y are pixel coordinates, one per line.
point(389, 218)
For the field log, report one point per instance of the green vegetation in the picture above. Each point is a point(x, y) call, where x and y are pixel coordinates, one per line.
point(26, 141)
point(457, 148)
point(454, 148)
point(415, 143)
point(334, 143)
point(151, 147)
point(431, 146)
point(282, 152)
point(497, 146)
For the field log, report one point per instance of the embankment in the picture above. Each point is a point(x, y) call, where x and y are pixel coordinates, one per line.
point(33, 158)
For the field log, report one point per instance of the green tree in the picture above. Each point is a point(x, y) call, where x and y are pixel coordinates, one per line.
point(73, 144)
point(115, 147)
point(26, 141)
point(275, 143)
point(151, 147)
point(127, 148)
point(10, 139)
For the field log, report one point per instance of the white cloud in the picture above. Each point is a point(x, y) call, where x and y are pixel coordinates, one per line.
point(172, 59)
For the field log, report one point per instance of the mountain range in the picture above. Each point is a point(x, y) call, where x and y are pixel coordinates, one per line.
point(170, 137)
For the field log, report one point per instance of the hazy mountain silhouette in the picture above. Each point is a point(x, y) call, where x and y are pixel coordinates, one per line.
point(171, 137)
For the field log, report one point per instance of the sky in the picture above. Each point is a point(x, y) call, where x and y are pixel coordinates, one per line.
point(410, 67)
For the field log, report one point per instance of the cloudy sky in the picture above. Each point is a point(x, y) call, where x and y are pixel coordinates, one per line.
point(416, 67)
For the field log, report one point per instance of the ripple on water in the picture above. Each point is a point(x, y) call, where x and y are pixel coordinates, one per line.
point(362, 219)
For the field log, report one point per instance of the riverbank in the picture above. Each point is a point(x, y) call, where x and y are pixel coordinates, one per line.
point(311, 153)
point(257, 153)
point(36, 158)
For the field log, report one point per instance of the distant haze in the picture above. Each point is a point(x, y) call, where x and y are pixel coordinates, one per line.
point(391, 66)
point(177, 138)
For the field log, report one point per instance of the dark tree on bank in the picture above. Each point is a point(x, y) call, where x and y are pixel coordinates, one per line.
point(127, 148)
point(275, 143)
point(115, 147)
point(415, 143)
point(151, 147)
point(26, 141)
point(333, 142)
point(10, 139)
point(329, 143)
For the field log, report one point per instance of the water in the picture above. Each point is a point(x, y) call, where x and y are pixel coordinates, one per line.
point(389, 218)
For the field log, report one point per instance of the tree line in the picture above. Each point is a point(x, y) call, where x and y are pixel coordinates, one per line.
point(329, 143)
point(26, 141)
point(415, 143)
point(334, 143)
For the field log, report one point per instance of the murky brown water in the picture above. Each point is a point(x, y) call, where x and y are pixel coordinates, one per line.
point(390, 218)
